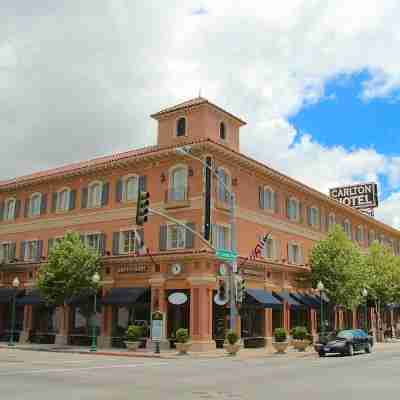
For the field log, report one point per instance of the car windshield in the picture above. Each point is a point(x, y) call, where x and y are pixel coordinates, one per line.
point(345, 335)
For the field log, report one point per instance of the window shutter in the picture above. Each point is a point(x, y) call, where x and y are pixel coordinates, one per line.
point(142, 183)
point(22, 250)
point(17, 208)
point(54, 198)
point(261, 197)
point(72, 200)
point(84, 197)
point(140, 233)
point(104, 193)
point(50, 245)
point(301, 216)
point(13, 250)
point(163, 237)
point(276, 202)
point(102, 244)
point(115, 243)
point(43, 204)
point(1, 210)
point(118, 191)
point(26, 208)
point(190, 235)
point(39, 249)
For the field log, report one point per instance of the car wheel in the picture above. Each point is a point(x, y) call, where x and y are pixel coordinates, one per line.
point(368, 348)
point(321, 354)
point(350, 350)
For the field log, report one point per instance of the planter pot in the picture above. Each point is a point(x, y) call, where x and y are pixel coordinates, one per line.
point(300, 345)
point(232, 349)
point(132, 346)
point(182, 348)
point(280, 347)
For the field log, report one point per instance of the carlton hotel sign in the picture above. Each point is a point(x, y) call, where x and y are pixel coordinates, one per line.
point(363, 197)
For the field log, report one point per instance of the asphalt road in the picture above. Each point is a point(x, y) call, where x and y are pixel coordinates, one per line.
point(38, 375)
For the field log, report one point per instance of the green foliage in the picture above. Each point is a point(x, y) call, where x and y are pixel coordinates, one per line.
point(280, 335)
point(69, 271)
point(134, 333)
point(338, 263)
point(182, 335)
point(300, 333)
point(232, 337)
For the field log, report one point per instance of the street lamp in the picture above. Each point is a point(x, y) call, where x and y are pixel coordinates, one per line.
point(15, 284)
point(95, 280)
point(321, 287)
point(364, 293)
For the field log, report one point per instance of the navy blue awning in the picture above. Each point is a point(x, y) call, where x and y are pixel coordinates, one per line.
point(127, 296)
point(306, 300)
point(32, 298)
point(286, 296)
point(264, 298)
point(7, 294)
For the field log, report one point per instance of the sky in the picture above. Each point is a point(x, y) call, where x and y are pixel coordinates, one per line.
point(318, 82)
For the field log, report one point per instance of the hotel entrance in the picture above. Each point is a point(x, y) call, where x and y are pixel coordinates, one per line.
point(178, 312)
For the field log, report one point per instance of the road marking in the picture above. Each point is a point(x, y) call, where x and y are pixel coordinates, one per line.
point(55, 370)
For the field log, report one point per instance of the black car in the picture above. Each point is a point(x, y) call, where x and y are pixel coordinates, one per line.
point(346, 342)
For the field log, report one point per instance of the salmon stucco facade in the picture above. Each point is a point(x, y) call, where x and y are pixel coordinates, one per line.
point(179, 274)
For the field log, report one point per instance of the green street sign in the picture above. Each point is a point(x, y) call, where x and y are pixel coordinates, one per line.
point(226, 255)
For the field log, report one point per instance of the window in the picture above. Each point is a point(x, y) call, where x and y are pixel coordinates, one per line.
point(31, 250)
point(267, 199)
point(224, 185)
point(93, 241)
point(178, 184)
point(381, 239)
point(63, 200)
point(222, 131)
point(331, 221)
point(347, 228)
point(271, 249)
point(34, 205)
point(313, 216)
point(9, 209)
point(360, 234)
point(371, 237)
point(181, 127)
point(176, 237)
point(293, 209)
point(131, 187)
point(7, 251)
point(127, 242)
point(95, 191)
point(221, 237)
point(295, 254)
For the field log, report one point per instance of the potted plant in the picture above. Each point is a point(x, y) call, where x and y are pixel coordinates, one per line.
point(280, 342)
point(300, 338)
point(232, 344)
point(133, 335)
point(182, 341)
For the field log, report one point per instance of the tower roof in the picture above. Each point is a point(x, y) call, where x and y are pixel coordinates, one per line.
point(192, 103)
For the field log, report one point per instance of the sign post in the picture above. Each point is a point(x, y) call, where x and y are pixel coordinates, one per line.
point(156, 329)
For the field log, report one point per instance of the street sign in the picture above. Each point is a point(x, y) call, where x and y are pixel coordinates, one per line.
point(226, 255)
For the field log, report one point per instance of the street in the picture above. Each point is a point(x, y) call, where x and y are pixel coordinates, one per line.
point(41, 375)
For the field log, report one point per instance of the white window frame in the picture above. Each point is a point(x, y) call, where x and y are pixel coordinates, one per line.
point(27, 256)
point(348, 233)
point(6, 215)
point(227, 236)
point(86, 238)
point(273, 255)
point(32, 212)
point(331, 217)
point(360, 239)
point(91, 203)
point(300, 254)
point(169, 244)
point(125, 180)
point(2, 256)
point(121, 241)
point(316, 223)
point(172, 189)
point(296, 201)
point(67, 201)
point(272, 198)
point(176, 127)
point(228, 185)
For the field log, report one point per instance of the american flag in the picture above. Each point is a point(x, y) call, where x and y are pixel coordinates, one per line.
point(256, 252)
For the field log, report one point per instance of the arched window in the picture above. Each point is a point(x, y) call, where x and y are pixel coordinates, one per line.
point(35, 203)
point(224, 184)
point(295, 253)
point(293, 209)
point(347, 228)
point(9, 209)
point(131, 185)
point(267, 199)
point(95, 191)
point(313, 216)
point(181, 127)
point(371, 237)
point(360, 234)
point(331, 221)
point(63, 199)
point(178, 183)
point(271, 249)
point(222, 131)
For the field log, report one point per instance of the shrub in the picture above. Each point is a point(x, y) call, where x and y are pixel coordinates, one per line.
point(182, 335)
point(232, 337)
point(300, 333)
point(134, 333)
point(280, 335)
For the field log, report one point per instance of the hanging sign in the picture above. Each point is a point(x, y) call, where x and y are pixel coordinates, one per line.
point(177, 298)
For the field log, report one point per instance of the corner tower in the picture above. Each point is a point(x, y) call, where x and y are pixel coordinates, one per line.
point(198, 119)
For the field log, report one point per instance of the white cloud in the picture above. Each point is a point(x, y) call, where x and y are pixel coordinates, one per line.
point(389, 210)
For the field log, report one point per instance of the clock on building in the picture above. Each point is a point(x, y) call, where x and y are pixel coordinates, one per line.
point(176, 269)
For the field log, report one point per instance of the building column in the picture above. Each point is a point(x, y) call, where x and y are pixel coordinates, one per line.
point(286, 316)
point(201, 312)
point(27, 324)
point(354, 319)
point(268, 329)
point(63, 322)
point(105, 338)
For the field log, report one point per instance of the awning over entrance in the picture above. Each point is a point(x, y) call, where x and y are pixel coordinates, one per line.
point(308, 300)
point(286, 296)
point(32, 298)
point(127, 296)
point(7, 294)
point(263, 298)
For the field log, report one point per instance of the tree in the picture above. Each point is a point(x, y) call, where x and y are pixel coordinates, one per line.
point(338, 263)
point(69, 271)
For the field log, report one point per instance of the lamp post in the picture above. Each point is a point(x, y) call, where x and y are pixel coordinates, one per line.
point(95, 280)
point(320, 287)
point(364, 293)
point(15, 284)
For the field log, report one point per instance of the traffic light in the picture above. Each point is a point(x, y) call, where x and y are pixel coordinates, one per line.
point(142, 207)
point(240, 289)
point(222, 290)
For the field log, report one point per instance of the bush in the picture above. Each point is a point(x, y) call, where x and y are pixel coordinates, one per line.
point(280, 335)
point(232, 337)
point(182, 335)
point(134, 333)
point(300, 333)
